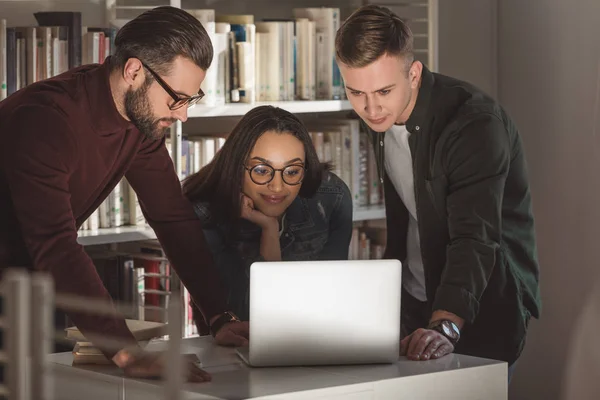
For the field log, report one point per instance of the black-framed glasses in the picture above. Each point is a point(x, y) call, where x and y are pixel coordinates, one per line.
point(178, 101)
point(261, 174)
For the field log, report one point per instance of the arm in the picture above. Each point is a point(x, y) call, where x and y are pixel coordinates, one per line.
point(171, 215)
point(270, 248)
point(340, 229)
point(477, 160)
point(37, 164)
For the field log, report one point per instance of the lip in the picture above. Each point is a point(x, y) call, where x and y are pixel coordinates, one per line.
point(377, 121)
point(165, 124)
point(272, 199)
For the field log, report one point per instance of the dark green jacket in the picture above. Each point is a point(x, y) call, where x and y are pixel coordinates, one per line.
point(474, 214)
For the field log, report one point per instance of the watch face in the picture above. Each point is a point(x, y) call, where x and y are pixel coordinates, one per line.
point(447, 330)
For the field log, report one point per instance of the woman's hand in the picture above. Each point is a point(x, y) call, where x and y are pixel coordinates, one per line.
point(257, 217)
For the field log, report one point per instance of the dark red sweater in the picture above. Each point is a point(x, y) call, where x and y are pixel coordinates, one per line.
point(64, 147)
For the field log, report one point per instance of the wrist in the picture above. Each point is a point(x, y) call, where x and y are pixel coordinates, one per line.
point(270, 225)
point(218, 321)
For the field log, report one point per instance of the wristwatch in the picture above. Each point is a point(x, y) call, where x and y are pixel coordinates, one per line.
point(225, 318)
point(446, 328)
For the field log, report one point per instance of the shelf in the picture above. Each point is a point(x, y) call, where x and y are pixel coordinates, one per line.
point(133, 233)
point(368, 213)
point(295, 107)
point(115, 235)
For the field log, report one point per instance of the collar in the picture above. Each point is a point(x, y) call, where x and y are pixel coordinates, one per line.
point(418, 117)
point(102, 108)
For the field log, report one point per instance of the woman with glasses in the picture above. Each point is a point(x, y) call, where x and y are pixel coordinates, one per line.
point(266, 196)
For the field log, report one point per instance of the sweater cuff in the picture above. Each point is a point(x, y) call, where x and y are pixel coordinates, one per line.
point(456, 300)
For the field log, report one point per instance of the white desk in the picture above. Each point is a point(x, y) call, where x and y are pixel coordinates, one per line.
point(452, 377)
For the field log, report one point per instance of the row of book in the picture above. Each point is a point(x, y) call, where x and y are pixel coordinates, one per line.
point(32, 53)
point(272, 59)
point(268, 60)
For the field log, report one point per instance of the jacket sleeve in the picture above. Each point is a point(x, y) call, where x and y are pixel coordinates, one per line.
point(38, 162)
point(152, 176)
point(340, 228)
point(477, 161)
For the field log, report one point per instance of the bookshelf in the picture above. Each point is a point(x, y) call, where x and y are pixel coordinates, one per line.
point(295, 107)
point(115, 235)
point(135, 233)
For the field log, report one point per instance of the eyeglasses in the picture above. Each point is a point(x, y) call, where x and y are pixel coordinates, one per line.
point(178, 101)
point(261, 174)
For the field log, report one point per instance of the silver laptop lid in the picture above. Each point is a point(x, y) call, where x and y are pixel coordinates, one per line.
point(324, 312)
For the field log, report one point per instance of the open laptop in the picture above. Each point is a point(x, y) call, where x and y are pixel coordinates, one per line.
point(324, 313)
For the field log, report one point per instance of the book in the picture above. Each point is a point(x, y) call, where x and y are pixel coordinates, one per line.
point(142, 330)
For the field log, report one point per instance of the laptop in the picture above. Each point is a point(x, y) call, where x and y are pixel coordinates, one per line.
point(307, 313)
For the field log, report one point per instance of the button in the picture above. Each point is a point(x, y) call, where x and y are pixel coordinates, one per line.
point(417, 127)
point(381, 143)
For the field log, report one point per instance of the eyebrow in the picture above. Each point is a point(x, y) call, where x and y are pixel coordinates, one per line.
point(264, 160)
point(378, 90)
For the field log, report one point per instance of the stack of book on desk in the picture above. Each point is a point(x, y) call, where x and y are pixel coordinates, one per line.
point(85, 352)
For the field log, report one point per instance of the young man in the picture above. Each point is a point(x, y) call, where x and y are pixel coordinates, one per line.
point(457, 195)
point(66, 143)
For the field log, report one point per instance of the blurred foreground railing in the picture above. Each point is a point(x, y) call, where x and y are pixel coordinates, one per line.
point(27, 322)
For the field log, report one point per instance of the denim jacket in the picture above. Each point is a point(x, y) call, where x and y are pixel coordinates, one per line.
point(317, 228)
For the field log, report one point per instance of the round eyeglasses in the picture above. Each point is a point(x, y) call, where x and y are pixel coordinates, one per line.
point(261, 174)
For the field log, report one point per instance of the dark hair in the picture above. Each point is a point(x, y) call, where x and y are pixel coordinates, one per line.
point(220, 182)
point(369, 33)
point(158, 36)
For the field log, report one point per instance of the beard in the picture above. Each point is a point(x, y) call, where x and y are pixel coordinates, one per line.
point(139, 112)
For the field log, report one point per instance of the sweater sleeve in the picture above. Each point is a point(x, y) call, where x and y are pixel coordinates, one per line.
point(152, 176)
point(38, 168)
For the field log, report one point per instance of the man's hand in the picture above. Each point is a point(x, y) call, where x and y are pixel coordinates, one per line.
point(233, 334)
point(147, 365)
point(425, 344)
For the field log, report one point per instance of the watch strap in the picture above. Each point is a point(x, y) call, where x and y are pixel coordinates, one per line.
point(223, 319)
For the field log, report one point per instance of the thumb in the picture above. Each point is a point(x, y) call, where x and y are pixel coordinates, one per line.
point(404, 345)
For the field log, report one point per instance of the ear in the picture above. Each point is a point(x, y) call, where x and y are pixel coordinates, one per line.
point(414, 74)
point(133, 72)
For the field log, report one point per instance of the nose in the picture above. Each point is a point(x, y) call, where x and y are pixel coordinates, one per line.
point(372, 106)
point(276, 184)
point(181, 113)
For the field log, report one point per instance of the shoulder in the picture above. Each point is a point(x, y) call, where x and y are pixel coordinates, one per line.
point(331, 183)
point(204, 213)
point(332, 194)
point(464, 104)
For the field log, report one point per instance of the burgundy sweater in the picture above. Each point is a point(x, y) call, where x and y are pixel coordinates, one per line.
point(64, 147)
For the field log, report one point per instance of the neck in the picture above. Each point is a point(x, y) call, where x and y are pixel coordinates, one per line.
point(118, 93)
point(405, 115)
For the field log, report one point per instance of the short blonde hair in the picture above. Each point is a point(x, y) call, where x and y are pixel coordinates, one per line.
point(369, 33)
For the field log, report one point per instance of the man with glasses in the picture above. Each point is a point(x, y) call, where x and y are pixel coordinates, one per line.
point(68, 141)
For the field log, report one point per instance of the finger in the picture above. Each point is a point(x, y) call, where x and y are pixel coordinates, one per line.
point(229, 338)
point(420, 345)
point(433, 346)
point(197, 374)
point(443, 350)
point(417, 335)
point(241, 328)
point(404, 343)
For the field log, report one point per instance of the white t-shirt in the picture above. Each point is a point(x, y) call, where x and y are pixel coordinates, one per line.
point(398, 165)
